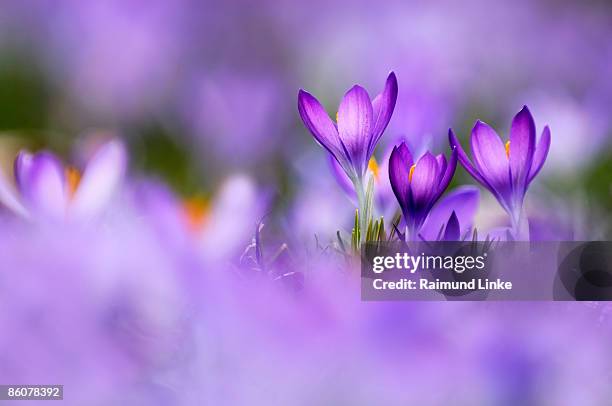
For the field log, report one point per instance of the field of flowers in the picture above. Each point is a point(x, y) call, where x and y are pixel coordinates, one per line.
point(185, 186)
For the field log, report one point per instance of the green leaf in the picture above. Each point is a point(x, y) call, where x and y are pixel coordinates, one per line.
point(382, 235)
point(369, 231)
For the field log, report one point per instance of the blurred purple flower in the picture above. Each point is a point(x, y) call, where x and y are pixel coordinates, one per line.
point(313, 213)
point(217, 229)
point(46, 190)
point(506, 171)
point(116, 58)
point(234, 214)
point(236, 116)
point(418, 186)
point(360, 124)
point(452, 218)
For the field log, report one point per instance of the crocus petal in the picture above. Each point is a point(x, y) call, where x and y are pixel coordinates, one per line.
point(383, 106)
point(10, 198)
point(425, 180)
point(22, 167)
point(463, 201)
point(400, 162)
point(452, 231)
point(341, 177)
point(383, 191)
point(465, 161)
point(441, 159)
point(322, 127)
point(490, 158)
point(103, 174)
point(231, 219)
point(522, 146)
point(355, 125)
point(44, 186)
point(447, 171)
point(540, 154)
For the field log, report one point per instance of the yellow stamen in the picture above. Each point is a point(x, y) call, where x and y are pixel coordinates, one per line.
point(195, 210)
point(336, 116)
point(411, 172)
point(508, 149)
point(373, 167)
point(73, 178)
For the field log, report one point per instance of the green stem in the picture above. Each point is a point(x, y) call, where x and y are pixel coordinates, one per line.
point(361, 202)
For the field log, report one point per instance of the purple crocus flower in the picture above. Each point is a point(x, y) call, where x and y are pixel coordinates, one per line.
point(46, 190)
point(418, 186)
point(506, 170)
point(360, 122)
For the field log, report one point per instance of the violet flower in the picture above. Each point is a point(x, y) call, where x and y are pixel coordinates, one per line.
point(217, 228)
point(418, 186)
point(360, 122)
point(506, 170)
point(46, 190)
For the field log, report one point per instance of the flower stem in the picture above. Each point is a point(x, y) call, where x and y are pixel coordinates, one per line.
point(361, 202)
point(520, 225)
point(411, 234)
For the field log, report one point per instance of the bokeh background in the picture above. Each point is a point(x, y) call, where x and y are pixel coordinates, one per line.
point(201, 90)
point(204, 94)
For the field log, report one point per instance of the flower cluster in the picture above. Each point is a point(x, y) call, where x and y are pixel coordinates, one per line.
point(506, 170)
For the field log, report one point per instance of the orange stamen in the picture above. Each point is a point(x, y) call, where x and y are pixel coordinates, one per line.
point(508, 149)
point(73, 178)
point(411, 172)
point(373, 167)
point(196, 210)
